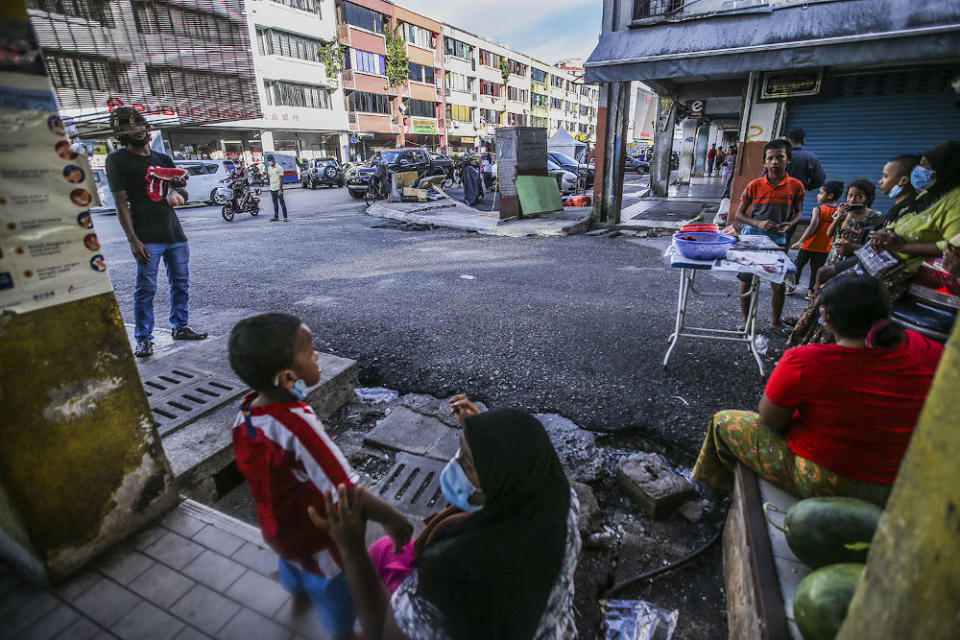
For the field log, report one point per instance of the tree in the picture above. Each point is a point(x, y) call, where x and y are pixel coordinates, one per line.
point(398, 66)
point(331, 55)
point(505, 74)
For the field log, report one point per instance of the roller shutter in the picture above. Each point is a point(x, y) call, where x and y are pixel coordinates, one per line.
point(861, 121)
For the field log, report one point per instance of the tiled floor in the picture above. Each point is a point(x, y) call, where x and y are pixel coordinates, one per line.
point(196, 574)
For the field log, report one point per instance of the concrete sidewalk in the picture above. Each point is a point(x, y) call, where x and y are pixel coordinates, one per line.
point(197, 573)
point(698, 200)
point(453, 214)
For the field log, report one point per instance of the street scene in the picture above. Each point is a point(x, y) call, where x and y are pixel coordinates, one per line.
point(359, 319)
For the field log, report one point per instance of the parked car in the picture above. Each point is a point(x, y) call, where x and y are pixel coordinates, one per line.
point(585, 171)
point(322, 171)
point(205, 177)
point(637, 165)
point(398, 160)
point(103, 190)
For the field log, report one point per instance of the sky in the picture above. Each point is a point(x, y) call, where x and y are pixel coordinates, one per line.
point(548, 31)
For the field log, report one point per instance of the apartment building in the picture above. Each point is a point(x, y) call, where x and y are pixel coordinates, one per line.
point(421, 97)
point(461, 85)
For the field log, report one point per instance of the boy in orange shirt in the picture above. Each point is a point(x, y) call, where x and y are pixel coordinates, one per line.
point(815, 243)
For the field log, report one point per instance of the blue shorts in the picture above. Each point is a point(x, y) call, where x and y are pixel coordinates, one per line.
point(776, 236)
point(330, 596)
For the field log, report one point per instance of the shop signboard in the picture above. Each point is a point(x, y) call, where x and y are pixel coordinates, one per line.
point(777, 85)
point(423, 126)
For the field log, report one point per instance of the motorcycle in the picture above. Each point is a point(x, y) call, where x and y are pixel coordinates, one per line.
point(255, 177)
point(233, 207)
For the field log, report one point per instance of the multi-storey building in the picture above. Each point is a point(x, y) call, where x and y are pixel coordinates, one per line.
point(421, 100)
point(461, 89)
point(302, 107)
point(540, 95)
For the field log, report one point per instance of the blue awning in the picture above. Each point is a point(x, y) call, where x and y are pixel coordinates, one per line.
point(812, 34)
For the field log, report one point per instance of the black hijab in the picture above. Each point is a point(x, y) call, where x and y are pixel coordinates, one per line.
point(945, 160)
point(491, 573)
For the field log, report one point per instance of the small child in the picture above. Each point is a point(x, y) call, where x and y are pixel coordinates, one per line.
point(853, 221)
point(815, 242)
point(289, 461)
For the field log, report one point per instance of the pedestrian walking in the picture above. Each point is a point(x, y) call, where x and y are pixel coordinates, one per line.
point(729, 163)
point(275, 174)
point(805, 165)
point(151, 225)
point(710, 156)
point(718, 161)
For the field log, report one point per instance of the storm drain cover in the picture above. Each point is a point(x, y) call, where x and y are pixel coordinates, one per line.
point(181, 394)
point(413, 485)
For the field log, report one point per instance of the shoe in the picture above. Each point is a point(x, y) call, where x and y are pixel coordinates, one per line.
point(789, 321)
point(286, 220)
point(144, 348)
point(186, 333)
point(274, 219)
point(791, 290)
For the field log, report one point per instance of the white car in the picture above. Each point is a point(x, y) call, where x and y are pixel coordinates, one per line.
point(205, 177)
point(568, 180)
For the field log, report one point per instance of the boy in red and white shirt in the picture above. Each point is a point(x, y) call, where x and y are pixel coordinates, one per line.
point(289, 461)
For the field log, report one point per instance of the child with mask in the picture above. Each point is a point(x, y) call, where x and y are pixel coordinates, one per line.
point(289, 461)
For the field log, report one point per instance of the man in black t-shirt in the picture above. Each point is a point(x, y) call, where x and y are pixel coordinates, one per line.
point(147, 180)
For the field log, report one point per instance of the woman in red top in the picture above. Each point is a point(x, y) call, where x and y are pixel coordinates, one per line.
point(834, 419)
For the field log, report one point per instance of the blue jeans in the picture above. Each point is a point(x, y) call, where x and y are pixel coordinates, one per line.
point(330, 597)
point(176, 257)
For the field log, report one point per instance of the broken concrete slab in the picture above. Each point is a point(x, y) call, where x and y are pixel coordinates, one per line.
point(589, 508)
point(650, 482)
point(576, 447)
point(693, 510)
point(404, 429)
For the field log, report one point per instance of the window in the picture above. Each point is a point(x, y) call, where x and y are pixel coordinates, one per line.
point(156, 17)
point(420, 73)
point(490, 59)
point(556, 103)
point(418, 36)
point(271, 42)
point(289, 94)
point(488, 88)
point(490, 116)
point(556, 81)
point(457, 49)
point(459, 82)
point(538, 99)
point(362, 17)
point(313, 6)
point(519, 95)
point(586, 111)
point(421, 108)
point(538, 75)
point(175, 81)
point(516, 120)
point(647, 8)
point(368, 102)
point(86, 72)
point(98, 11)
point(517, 68)
point(366, 62)
point(459, 112)
point(539, 122)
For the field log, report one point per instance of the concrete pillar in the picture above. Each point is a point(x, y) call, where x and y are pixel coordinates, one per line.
point(662, 147)
point(910, 588)
point(345, 147)
point(701, 149)
point(266, 141)
point(688, 140)
point(759, 123)
point(81, 464)
point(610, 151)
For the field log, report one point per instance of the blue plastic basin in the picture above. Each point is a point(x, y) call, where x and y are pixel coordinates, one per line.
point(707, 246)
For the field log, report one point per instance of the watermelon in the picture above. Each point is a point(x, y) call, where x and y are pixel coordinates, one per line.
point(822, 531)
point(821, 600)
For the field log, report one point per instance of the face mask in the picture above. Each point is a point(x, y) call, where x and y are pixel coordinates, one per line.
point(299, 390)
point(921, 178)
point(896, 191)
point(456, 486)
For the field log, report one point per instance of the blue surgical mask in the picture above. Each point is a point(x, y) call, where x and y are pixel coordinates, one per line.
point(896, 191)
point(456, 486)
point(921, 178)
point(299, 390)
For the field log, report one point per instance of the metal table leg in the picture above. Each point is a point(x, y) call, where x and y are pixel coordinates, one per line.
point(685, 281)
point(751, 326)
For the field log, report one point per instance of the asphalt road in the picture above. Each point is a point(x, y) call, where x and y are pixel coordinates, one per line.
point(573, 325)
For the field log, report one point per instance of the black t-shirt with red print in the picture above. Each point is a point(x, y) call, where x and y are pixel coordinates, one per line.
point(154, 220)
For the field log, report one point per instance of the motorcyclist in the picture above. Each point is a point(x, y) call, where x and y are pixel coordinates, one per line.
point(381, 173)
point(238, 182)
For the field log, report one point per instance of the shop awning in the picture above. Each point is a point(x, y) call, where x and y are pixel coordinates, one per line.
point(813, 34)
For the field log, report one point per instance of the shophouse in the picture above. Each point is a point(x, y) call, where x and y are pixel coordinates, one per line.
point(421, 98)
point(866, 80)
point(461, 85)
point(540, 95)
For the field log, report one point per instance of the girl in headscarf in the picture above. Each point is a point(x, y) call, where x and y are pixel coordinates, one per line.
point(921, 232)
point(498, 563)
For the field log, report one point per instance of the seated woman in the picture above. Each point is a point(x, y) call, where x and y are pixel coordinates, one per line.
point(834, 419)
point(500, 565)
point(919, 233)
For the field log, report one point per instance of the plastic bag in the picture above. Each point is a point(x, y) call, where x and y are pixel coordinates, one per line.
point(637, 620)
point(375, 395)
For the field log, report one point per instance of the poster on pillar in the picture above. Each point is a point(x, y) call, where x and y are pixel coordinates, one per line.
point(49, 252)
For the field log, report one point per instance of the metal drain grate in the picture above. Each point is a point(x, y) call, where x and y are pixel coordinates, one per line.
point(413, 485)
point(180, 395)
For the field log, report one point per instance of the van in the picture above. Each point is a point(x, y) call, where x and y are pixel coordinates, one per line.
point(204, 176)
